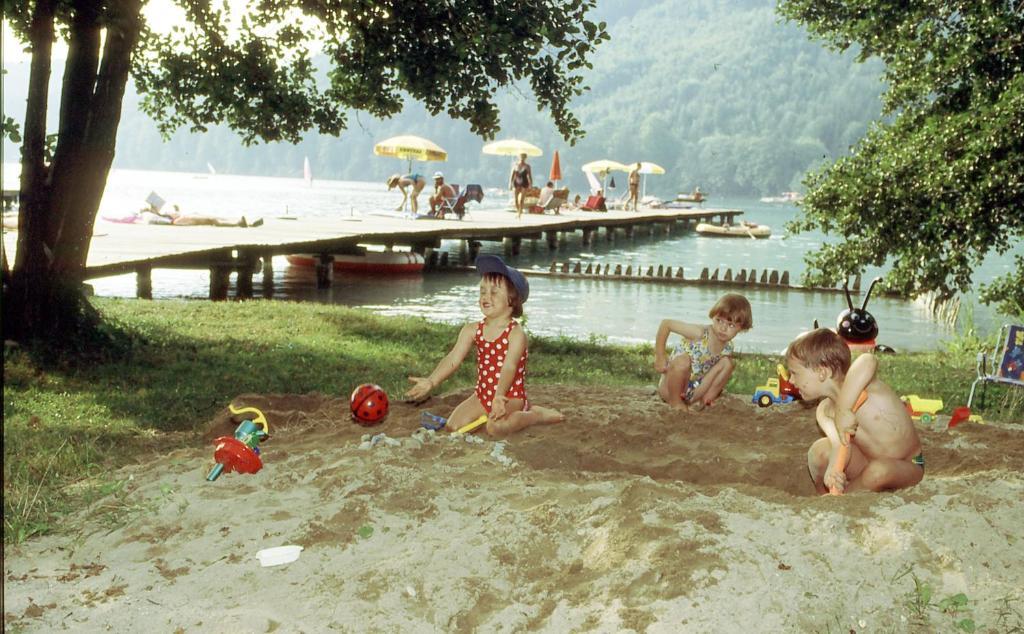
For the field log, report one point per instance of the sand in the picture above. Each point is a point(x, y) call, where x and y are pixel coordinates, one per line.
point(626, 518)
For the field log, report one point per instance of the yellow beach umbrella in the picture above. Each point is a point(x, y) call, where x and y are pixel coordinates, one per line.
point(512, 147)
point(649, 168)
point(412, 148)
point(602, 167)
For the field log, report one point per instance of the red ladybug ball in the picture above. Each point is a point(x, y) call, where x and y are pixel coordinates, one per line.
point(369, 404)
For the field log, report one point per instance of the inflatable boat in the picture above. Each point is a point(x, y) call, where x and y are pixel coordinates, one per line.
point(744, 230)
point(371, 262)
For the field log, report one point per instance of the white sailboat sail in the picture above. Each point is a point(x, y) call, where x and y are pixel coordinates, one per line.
point(209, 166)
point(307, 172)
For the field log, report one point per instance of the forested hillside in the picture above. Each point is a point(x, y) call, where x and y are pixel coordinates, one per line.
point(720, 93)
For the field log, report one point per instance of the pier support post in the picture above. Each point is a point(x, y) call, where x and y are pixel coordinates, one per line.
point(144, 282)
point(429, 258)
point(474, 250)
point(511, 245)
point(588, 235)
point(324, 271)
point(552, 237)
point(268, 275)
point(220, 277)
point(246, 266)
point(628, 231)
point(609, 234)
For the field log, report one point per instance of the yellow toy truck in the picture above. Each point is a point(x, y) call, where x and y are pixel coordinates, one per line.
point(923, 409)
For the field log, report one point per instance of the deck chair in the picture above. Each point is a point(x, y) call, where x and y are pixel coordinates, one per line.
point(530, 198)
point(594, 203)
point(1006, 363)
point(558, 198)
point(457, 204)
point(473, 193)
point(448, 205)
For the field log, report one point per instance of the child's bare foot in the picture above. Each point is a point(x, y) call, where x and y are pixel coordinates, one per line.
point(698, 406)
point(681, 406)
point(547, 415)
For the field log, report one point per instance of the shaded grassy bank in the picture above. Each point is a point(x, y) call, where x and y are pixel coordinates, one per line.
point(68, 425)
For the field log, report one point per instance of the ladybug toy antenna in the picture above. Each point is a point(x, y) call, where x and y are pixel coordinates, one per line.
point(846, 289)
point(868, 296)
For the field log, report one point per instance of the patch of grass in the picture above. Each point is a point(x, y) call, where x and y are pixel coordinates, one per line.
point(957, 607)
point(1009, 618)
point(70, 421)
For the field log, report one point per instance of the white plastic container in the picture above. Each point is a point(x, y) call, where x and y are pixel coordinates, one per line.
point(278, 555)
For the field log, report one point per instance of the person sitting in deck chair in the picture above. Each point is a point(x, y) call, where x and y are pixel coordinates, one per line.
point(442, 192)
point(595, 202)
point(550, 198)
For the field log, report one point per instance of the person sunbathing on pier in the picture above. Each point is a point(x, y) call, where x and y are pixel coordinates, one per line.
point(152, 215)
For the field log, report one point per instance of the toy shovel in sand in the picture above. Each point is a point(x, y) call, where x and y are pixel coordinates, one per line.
point(843, 457)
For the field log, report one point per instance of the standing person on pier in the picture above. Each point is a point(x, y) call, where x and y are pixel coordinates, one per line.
point(416, 182)
point(634, 188)
point(520, 181)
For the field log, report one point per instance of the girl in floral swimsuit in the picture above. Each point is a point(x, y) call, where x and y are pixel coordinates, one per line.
point(701, 363)
point(502, 353)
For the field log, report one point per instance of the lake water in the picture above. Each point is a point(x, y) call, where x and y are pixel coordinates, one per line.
point(618, 311)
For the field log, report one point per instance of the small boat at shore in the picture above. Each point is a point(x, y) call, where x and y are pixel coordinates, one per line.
point(786, 197)
point(697, 196)
point(742, 230)
point(369, 263)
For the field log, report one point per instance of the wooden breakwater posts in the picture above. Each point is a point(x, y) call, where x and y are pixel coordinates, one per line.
point(746, 278)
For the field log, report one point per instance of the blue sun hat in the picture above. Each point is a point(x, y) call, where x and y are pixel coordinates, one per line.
point(493, 264)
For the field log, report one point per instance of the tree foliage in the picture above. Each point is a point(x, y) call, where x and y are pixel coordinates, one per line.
point(260, 77)
point(941, 184)
point(256, 75)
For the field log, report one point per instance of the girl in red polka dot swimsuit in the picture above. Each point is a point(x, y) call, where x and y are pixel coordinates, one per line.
point(490, 359)
point(501, 345)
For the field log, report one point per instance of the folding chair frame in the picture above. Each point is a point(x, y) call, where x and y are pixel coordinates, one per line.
point(1009, 350)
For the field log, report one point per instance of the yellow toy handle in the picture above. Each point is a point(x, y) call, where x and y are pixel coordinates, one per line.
point(465, 429)
point(260, 419)
point(783, 372)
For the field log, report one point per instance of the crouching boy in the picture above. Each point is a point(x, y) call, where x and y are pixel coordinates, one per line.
point(857, 410)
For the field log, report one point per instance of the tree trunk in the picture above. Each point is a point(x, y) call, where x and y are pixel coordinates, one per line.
point(42, 297)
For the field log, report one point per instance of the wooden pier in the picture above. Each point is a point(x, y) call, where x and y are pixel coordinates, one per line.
point(118, 249)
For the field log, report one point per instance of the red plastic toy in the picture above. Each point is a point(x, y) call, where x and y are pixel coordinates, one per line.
point(235, 455)
point(369, 404)
point(960, 414)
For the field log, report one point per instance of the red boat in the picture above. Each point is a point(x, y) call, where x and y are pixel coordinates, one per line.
point(371, 262)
